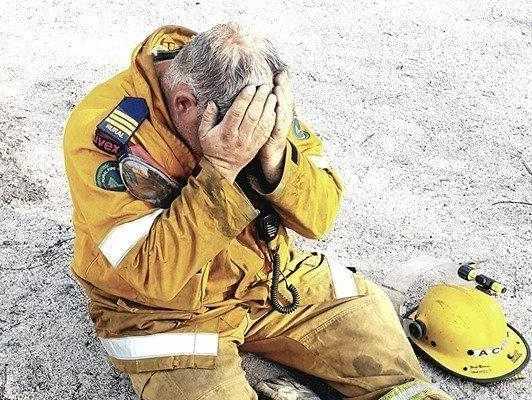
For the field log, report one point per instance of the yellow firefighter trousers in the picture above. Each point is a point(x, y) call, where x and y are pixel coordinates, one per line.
point(356, 345)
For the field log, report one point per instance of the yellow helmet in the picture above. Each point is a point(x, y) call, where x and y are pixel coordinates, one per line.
point(464, 330)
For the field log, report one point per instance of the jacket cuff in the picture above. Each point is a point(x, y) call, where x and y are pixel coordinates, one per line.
point(290, 172)
point(228, 204)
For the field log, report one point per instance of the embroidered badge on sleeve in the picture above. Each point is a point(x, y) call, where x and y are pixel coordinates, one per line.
point(117, 128)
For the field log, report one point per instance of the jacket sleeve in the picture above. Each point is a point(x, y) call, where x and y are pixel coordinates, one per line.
point(309, 193)
point(208, 214)
point(156, 251)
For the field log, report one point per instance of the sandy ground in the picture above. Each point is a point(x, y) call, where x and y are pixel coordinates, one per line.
point(425, 109)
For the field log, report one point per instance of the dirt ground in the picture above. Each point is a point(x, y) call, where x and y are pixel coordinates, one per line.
point(425, 108)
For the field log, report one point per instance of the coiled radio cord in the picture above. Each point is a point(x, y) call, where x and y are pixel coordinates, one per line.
point(267, 225)
point(274, 291)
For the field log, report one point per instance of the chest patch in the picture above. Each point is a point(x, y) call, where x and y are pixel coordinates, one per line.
point(299, 133)
point(108, 177)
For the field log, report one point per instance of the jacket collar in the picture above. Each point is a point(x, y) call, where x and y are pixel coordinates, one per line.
point(172, 151)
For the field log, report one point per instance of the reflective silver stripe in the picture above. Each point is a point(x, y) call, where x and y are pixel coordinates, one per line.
point(121, 239)
point(161, 345)
point(343, 279)
point(126, 117)
point(321, 161)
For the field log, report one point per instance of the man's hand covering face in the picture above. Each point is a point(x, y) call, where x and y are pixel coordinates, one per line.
point(246, 126)
point(271, 155)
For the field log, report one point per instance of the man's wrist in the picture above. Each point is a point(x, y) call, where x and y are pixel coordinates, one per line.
point(272, 168)
point(227, 173)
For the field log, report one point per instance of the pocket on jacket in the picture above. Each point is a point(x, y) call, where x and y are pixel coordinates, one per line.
point(320, 279)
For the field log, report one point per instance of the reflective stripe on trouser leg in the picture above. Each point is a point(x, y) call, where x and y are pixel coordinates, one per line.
point(161, 345)
point(416, 390)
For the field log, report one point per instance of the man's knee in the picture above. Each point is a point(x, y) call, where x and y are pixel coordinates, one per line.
point(225, 380)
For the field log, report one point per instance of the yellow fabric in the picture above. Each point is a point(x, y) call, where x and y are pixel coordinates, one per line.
point(200, 258)
point(200, 268)
point(356, 345)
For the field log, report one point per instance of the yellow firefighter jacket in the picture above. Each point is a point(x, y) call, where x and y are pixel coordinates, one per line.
point(150, 271)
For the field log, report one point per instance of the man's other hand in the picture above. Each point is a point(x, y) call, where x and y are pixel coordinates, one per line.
point(236, 140)
point(271, 155)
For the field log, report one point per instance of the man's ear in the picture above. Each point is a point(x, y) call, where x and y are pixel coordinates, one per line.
point(183, 103)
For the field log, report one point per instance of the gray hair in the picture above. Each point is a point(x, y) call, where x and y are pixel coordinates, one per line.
point(219, 63)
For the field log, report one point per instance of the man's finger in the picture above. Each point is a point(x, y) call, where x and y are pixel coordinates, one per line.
point(236, 112)
point(267, 121)
point(281, 79)
point(208, 120)
point(281, 97)
point(282, 114)
point(281, 92)
point(254, 111)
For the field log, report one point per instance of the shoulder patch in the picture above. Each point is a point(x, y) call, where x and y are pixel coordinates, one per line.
point(108, 177)
point(117, 128)
point(299, 133)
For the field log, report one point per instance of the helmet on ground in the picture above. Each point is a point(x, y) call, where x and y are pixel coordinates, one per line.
point(464, 330)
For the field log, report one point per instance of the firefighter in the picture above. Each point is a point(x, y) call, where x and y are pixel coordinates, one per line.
point(186, 171)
